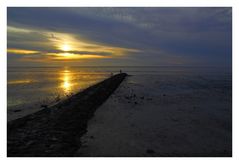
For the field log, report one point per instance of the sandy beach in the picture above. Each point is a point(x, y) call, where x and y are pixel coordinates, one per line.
point(163, 115)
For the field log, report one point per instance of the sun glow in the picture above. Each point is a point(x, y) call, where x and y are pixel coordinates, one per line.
point(66, 54)
point(66, 47)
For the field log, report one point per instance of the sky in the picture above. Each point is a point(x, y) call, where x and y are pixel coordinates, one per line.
point(119, 36)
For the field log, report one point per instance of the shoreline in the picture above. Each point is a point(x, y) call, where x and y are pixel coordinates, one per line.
point(54, 131)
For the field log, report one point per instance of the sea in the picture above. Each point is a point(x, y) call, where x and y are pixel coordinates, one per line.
point(32, 87)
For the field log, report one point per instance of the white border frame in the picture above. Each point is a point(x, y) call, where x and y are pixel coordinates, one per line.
point(118, 3)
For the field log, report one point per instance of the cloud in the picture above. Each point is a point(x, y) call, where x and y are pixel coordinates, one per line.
point(47, 46)
point(202, 34)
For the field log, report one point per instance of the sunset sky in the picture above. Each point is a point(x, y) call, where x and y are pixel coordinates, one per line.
point(119, 36)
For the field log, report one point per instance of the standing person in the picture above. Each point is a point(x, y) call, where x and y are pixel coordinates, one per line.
point(120, 71)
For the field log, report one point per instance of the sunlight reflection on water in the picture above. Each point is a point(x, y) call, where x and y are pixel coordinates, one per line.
point(28, 86)
point(66, 84)
point(40, 85)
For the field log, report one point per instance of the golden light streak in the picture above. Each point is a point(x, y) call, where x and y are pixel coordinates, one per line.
point(21, 51)
point(66, 83)
point(72, 56)
point(19, 81)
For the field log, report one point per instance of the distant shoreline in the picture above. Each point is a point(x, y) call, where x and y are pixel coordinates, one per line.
point(54, 131)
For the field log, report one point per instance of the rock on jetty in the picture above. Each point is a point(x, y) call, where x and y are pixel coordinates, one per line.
point(55, 131)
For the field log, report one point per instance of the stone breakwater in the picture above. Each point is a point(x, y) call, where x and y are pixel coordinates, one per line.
point(55, 131)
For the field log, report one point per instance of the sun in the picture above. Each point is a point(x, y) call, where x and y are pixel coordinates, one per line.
point(65, 47)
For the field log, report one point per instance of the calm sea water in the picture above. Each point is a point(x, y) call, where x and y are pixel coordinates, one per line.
point(34, 86)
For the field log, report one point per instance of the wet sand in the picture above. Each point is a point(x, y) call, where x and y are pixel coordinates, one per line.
point(163, 115)
point(55, 131)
